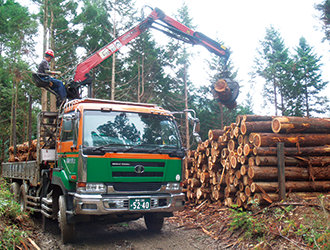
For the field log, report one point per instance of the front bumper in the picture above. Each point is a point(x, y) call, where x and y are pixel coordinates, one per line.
point(96, 204)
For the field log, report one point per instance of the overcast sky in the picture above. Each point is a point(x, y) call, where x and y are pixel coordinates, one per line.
point(241, 24)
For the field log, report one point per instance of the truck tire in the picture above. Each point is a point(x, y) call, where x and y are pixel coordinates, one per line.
point(14, 189)
point(154, 222)
point(67, 230)
point(22, 198)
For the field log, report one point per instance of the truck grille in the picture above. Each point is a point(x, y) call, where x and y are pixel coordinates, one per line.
point(133, 174)
point(137, 186)
point(137, 169)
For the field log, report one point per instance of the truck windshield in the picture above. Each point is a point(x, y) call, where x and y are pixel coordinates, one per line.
point(129, 129)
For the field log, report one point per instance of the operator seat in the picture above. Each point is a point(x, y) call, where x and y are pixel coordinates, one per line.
point(40, 82)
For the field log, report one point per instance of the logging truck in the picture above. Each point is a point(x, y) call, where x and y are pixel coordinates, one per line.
point(98, 159)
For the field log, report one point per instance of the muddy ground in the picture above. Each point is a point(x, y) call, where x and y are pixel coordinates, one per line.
point(128, 235)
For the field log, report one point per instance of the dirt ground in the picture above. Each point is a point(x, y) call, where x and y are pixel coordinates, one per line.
point(295, 224)
point(128, 235)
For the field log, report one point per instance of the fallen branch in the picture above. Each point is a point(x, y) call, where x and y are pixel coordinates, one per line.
point(34, 244)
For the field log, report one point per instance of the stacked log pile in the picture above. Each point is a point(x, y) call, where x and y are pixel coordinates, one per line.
point(23, 152)
point(239, 163)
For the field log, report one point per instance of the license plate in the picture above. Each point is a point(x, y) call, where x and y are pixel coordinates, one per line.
point(139, 204)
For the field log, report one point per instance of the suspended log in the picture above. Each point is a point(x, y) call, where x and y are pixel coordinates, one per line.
point(290, 151)
point(291, 173)
point(260, 126)
point(300, 125)
point(301, 140)
point(223, 94)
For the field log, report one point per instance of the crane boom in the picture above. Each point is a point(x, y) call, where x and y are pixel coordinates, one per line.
point(173, 28)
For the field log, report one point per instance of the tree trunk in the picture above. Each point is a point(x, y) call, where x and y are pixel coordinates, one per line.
point(186, 104)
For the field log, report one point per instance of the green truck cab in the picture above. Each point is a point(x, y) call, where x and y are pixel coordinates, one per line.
point(99, 159)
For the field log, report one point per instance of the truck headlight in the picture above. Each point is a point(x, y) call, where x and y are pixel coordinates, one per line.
point(91, 187)
point(173, 186)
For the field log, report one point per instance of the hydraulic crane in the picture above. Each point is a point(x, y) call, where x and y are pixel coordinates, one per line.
point(159, 21)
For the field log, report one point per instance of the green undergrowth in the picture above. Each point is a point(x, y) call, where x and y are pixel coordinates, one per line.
point(11, 217)
point(303, 226)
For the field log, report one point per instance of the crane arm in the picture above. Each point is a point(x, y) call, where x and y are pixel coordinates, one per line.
point(168, 26)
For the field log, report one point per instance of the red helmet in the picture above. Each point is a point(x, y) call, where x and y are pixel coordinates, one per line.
point(50, 52)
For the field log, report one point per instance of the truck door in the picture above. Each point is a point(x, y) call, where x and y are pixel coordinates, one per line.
point(67, 150)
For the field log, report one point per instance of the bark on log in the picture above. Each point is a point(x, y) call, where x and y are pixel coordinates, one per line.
point(254, 118)
point(263, 126)
point(294, 186)
point(301, 140)
point(300, 125)
point(293, 151)
point(293, 161)
point(266, 173)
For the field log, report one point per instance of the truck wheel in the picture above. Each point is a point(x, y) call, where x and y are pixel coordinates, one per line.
point(154, 222)
point(67, 230)
point(22, 198)
point(14, 189)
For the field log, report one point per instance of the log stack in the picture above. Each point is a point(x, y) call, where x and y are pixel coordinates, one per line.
point(239, 163)
point(23, 152)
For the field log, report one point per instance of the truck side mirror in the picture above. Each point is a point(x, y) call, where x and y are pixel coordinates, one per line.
point(67, 125)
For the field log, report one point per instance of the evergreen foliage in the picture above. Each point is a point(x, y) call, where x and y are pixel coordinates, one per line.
point(309, 86)
point(324, 9)
point(293, 84)
point(17, 27)
point(145, 71)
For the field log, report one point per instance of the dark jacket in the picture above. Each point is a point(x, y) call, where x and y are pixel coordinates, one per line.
point(43, 66)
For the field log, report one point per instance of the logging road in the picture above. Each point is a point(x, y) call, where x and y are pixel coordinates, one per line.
point(131, 235)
